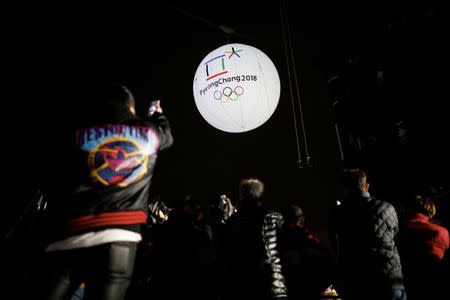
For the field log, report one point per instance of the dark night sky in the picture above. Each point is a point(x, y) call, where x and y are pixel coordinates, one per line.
point(156, 49)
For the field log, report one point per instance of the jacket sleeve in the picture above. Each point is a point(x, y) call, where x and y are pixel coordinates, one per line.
point(386, 232)
point(271, 226)
point(164, 131)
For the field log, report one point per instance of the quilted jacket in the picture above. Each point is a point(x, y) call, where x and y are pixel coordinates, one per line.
point(252, 255)
point(367, 253)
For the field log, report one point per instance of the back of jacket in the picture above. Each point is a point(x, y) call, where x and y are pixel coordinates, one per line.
point(367, 253)
point(108, 173)
point(252, 254)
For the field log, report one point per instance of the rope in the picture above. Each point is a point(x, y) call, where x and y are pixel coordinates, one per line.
point(288, 49)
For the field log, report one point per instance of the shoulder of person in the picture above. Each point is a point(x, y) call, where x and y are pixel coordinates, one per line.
point(274, 218)
point(273, 214)
point(385, 206)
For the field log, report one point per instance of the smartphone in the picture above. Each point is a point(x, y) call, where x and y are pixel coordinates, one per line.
point(153, 106)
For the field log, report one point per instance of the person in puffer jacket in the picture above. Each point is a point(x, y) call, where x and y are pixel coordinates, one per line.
point(250, 248)
point(368, 260)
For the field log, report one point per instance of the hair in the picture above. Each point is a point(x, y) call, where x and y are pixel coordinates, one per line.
point(118, 97)
point(251, 189)
point(424, 206)
point(189, 200)
point(107, 102)
point(354, 180)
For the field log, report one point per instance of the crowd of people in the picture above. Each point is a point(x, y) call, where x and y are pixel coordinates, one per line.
point(247, 251)
point(107, 237)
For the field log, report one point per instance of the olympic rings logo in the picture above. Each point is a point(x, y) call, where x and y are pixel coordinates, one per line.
point(229, 94)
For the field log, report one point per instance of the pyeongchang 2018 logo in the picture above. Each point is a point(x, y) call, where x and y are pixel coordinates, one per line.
point(118, 161)
point(217, 67)
point(228, 93)
point(221, 60)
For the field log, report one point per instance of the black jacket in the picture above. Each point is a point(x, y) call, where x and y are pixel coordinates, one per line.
point(252, 256)
point(367, 254)
point(105, 179)
point(308, 266)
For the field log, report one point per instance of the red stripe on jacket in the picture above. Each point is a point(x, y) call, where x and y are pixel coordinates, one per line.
point(107, 219)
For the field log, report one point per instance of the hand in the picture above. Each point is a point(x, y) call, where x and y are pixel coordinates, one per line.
point(159, 108)
point(155, 107)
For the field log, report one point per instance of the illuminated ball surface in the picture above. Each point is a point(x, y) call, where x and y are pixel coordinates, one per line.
point(236, 88)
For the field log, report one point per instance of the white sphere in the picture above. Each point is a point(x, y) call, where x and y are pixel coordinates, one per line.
point(236, 88)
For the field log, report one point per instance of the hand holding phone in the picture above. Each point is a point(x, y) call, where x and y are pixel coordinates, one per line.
point(154, 106)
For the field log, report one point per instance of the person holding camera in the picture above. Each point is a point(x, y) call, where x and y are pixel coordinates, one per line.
point(100, 200)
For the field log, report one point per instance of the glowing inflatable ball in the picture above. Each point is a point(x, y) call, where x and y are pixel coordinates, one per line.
point(236, 88)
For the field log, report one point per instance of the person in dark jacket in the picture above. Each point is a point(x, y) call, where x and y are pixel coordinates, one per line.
point(368, 260)
point(308, 265)
point(99, 203)
point(184, 254)
point(250, 248)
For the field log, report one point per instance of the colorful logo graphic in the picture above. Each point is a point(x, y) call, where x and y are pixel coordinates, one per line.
point(218, 62)
point(236, 88)
point(118, 161)
point(228, 93)
point(233, 52)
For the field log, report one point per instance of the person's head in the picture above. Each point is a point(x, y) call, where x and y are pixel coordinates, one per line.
point(251, 190)
point(354, 182)
point(424, 206)
point(120, 98)
point(293, 215)
point(114, 98)
point(192, 207)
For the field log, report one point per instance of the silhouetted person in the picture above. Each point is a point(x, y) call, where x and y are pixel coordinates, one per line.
point(250, 248)
point(369, 264)
point(422, 246)
point(308, 265)
point(147, 260)
point(99, 200)
point(184, 254)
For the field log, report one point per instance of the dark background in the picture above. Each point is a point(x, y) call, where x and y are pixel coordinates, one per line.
point(378, 69)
